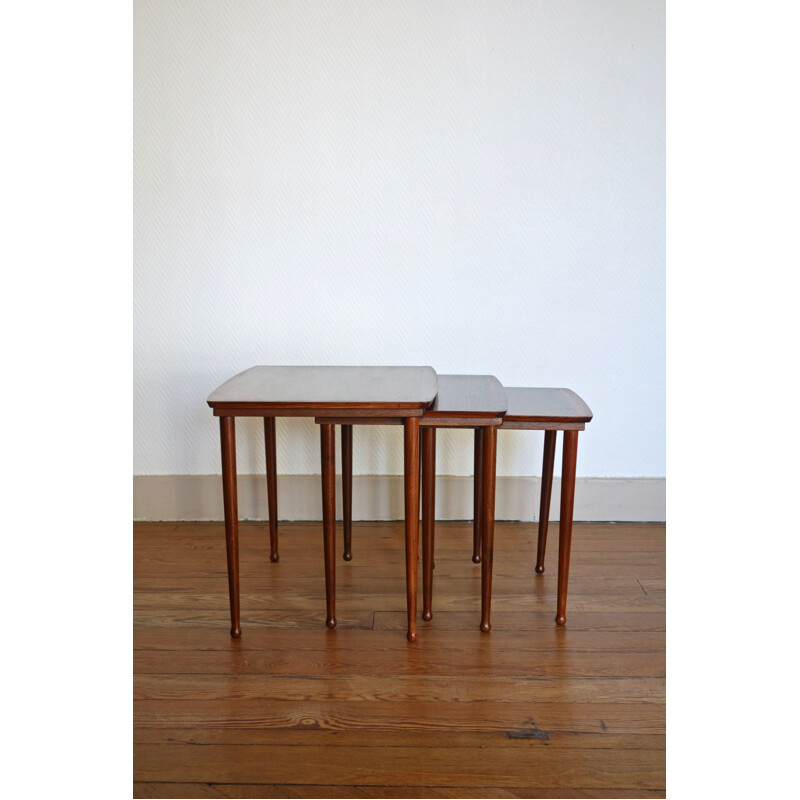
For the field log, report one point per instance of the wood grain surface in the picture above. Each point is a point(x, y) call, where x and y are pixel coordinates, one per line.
point(468, 395)
point(292, 709)
point(545, 405)
point(309, 387)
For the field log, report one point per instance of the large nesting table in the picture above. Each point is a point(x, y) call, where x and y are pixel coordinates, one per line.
point(326, 393)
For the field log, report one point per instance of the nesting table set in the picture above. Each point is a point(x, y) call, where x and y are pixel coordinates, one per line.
point(421, 401)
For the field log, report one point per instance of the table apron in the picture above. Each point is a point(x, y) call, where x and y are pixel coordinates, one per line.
point(425, 422)
point(518, 425)
point(371, 420)
point(321, 413)
point(460, 422)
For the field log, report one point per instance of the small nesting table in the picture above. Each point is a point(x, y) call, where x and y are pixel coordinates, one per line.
point(347, 393)
point(551, 410)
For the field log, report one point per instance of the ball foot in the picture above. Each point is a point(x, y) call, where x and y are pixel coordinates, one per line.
point(561, 619)
point(476, 559)
point(274, 557)
point(427, 616)
point(236, 633)
point(330, 622)
point(539, 569)
point(486, 627)
point(412, 636)
point(348, 556)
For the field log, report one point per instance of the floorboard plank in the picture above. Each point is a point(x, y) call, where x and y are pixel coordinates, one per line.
point(383, 601)
point(409, 737)
point(565, 663)
point(398, 688)
point(203, 591)
point(390, 645)
point(180, 790)
point(386, 716)
point(312, 791)
point(442, 766)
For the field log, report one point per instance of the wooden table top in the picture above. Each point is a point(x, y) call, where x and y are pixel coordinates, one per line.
point(545, 405)
point(313, 388)
point(462, 401)
point(468, 396)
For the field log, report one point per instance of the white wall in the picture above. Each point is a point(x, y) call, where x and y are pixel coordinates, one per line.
point(478, 186)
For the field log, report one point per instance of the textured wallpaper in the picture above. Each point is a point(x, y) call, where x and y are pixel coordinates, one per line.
point(477, 186)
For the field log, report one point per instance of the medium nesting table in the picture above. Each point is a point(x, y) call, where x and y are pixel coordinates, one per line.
point(530, 409)
point(343, 393)
point(463, 401)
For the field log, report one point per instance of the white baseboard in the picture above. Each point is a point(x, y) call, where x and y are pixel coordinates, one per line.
point(380, 497)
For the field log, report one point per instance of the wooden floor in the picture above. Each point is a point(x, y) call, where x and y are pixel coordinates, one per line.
point(295, 710)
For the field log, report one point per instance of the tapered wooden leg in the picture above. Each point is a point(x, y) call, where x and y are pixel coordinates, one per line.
point(477, 497)
point(347, 489)
point(272, 485)
point(433, 491)
point(570, 455)
point(544, 500)
point(411, 474)
point(328, 450)
point(428, 517)
point(489, 460)
point(227, 437)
